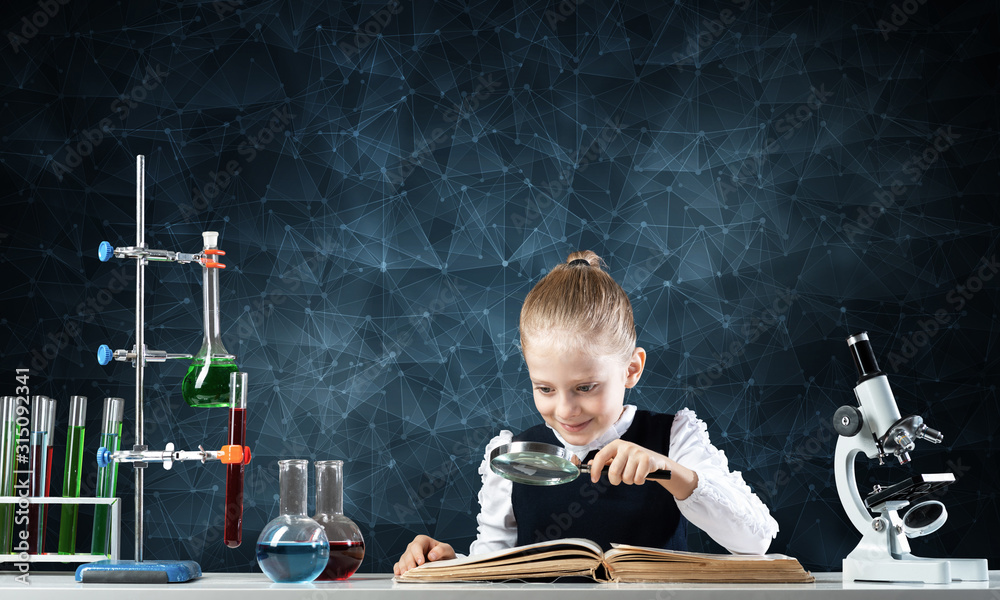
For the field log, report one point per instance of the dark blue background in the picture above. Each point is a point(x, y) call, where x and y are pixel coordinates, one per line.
point(381, 241)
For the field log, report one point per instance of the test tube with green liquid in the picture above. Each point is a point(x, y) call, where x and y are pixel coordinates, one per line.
point(72, 474)
point(107, 477)
point(8, 441)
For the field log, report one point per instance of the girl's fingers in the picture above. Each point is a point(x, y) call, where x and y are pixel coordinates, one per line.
point(630, 471)
point(435, 553)
point(603, 457)
point(414, 554)
point(617, 468)
point(642, 469)
point(441, 552)
point(404, 564)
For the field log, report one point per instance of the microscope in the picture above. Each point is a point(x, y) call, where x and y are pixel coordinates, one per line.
point(877, 430)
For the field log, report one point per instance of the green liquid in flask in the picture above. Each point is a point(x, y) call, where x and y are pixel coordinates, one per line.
point(206, 384)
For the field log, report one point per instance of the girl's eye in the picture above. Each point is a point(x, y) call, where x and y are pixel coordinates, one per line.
point(544, 390)
point(586, 388)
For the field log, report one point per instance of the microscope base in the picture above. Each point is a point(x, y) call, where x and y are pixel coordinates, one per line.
point(911, 568)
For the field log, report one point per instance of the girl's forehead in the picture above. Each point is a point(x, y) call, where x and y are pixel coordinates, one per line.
point(552, 341)
point(546, 356)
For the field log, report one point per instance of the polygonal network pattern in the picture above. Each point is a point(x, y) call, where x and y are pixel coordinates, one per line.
point(389, 179)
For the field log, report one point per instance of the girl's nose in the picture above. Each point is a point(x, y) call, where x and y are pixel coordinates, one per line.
point(566, 406)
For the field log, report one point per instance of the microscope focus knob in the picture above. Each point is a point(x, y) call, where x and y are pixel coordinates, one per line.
point(847, 421)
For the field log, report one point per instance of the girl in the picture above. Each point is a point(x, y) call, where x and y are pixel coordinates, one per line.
point(578, 339)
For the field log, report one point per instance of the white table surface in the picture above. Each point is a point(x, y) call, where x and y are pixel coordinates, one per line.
point(372, 586)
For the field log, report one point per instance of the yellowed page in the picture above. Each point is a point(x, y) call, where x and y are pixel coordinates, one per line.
point(555, 558)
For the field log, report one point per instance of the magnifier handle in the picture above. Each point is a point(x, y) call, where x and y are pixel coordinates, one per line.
point(662, 474)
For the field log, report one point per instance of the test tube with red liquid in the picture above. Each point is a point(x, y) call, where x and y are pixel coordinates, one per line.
point(38, 455)
point(50, 442)
point(233, 534)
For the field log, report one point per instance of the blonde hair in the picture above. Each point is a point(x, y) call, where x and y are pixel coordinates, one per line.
point(580, 297)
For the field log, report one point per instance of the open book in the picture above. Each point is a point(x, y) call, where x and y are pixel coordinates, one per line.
point(575, 557)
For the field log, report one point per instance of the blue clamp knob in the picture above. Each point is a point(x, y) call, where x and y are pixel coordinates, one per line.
point(104, 354)
point(105, 251)
point(103, 457)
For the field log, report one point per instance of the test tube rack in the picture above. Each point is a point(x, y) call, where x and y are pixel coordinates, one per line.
point(54, 557)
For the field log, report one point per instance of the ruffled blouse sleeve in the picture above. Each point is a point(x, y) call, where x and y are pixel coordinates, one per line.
point(723, 505)
point(497, 527)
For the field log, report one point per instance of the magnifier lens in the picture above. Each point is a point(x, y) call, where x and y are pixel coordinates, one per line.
point(534, 468)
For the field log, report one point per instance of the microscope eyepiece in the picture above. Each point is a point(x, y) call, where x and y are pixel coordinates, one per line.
point(864, 356)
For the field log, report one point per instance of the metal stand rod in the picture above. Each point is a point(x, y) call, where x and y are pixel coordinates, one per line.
point(140, 342)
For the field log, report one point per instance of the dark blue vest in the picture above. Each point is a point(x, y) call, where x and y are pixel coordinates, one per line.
point(641, 515)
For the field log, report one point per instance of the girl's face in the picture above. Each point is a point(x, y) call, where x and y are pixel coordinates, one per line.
point(579, 394)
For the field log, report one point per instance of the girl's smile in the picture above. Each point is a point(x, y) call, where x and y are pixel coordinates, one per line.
point(577, 427)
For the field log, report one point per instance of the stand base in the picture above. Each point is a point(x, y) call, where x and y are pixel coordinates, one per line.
point(129, 571)
point(915, 569)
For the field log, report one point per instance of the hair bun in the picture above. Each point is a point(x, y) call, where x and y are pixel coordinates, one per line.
point(586, 257)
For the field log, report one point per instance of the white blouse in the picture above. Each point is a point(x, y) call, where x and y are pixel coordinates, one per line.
point(722, 505)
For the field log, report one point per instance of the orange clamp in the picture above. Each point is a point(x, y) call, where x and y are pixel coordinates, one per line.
point(215, 251)
point(211, 264)
point(231, 455)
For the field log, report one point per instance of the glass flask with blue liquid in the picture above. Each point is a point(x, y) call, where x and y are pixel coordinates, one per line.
point(293, 548)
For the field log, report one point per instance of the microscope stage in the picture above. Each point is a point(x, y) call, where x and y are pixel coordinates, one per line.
point(910, 489)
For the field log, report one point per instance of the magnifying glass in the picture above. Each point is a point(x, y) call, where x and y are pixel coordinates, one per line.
point(537, 463)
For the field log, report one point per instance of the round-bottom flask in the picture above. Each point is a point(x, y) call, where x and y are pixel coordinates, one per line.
point(347, 546)
point(293, 548)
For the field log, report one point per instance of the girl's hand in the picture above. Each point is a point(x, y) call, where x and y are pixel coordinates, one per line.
point(630, 463)
point(421, 549)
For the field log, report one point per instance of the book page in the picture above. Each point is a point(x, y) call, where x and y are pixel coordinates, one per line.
point(618, 550)
point(564, 545)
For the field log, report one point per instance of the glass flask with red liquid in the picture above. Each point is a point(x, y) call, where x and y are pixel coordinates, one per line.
point(347, 546)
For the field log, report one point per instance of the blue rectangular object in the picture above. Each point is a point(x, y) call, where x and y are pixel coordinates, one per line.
point(129, 571)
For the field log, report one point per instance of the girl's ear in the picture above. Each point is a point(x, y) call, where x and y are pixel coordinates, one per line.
point(634, 368)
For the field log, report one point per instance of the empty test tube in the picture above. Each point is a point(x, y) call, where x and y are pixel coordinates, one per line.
point(107, 477)
point(8, 442)
point(38, 447)
point(72, 473)
point(233, 531)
